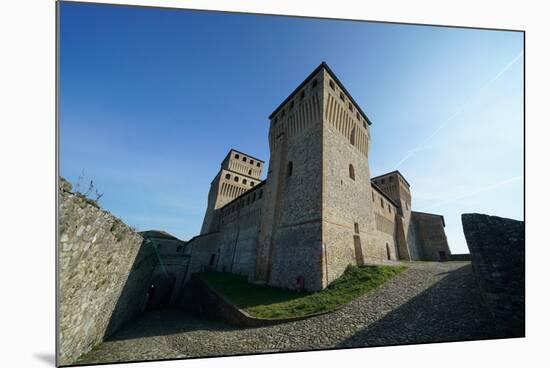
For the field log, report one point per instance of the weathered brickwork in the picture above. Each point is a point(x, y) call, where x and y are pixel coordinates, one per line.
point(103, 273)
point(497, 248)
point(431, 236)
point(321, 210)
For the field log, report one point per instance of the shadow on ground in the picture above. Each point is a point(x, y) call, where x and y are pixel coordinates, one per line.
point(164, 322)
point(450, 310)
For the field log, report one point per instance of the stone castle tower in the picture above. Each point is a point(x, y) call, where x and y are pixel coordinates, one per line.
point(238, 173)
point(318, 211)
point(318, 192)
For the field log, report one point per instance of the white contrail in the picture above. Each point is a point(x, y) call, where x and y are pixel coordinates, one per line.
point(462, 107)
point(472, 193)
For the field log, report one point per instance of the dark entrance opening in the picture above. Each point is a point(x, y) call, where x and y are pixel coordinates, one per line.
point(160, 291)
point(442, 256)
point(388, 250)
point(358, 250)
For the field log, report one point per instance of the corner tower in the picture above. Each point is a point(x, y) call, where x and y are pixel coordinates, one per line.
point(317, 216)
point(239, 172)
point(394, 185)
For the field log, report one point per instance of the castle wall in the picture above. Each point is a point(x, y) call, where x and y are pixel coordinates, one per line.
point(385, 214)
point(430, 236)
point(294, 224)
point(239, 236)
point(205, 252)
point(104, 270)
point(497, 248)
point(346, 201)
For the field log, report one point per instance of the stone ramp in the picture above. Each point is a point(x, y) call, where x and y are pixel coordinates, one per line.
point(429, 302)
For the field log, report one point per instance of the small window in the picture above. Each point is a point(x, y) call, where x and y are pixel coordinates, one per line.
point(251, 161)
point(389, 208)
point(258, 164)
point(249, 172)
point(357, 115)
point(289, 169)
point(236, 178)
point(381, 202)
point(351, 172)
point(342, 96)
point(314, 83)
point(236, 156)
point(372, 196)
point(253, 197)
point(244, 181)
point(291, 105)
point(244, 159)
point(251, 183)
point(274, 120)
point(260, 193)
point(331, 84)
point(212, 259)
point(283, 114)
point(179, 248)
point(352, 137)
point(364, 124)
point(356, 227)
point(228, 176)
point(350, 106)
point(302, 95)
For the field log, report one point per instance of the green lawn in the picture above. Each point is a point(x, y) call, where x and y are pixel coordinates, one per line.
point(269, 302)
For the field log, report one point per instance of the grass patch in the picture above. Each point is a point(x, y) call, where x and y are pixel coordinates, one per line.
point(270, 302)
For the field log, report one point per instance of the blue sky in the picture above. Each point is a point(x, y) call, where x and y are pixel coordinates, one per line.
point(152, 99)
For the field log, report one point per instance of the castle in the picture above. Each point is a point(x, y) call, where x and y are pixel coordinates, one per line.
point(319, 210)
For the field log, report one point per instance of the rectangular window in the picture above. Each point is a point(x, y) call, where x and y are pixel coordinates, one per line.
point(381, 203)
point(356, 227)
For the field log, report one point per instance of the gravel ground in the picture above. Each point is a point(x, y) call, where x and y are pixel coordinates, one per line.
point(429, 302)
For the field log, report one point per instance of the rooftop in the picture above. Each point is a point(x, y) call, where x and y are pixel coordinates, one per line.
point(390, 173)
point(324, 66)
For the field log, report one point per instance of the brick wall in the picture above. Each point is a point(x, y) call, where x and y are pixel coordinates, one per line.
point(497, 248)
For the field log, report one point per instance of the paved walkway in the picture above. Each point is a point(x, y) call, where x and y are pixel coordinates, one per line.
point(429, 302)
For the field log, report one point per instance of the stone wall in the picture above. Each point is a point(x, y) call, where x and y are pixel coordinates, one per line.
point(497, 248)
point(430, 236)
point(347, 194)
point(103, 271)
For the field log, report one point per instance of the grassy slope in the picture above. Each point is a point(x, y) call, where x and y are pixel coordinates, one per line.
point(269, 302)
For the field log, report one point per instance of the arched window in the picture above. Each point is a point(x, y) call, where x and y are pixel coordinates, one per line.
point(351, 172)
point(244, 159)
point(289, 169)
point(236, 156)
point(251, 183)
point(249, 172)
point(244, 181)
point(179, 248)
point(352, 137)
point(228, 176)
point(236, 179)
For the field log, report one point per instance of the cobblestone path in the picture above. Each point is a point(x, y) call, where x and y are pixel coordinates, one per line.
point(429, 302)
